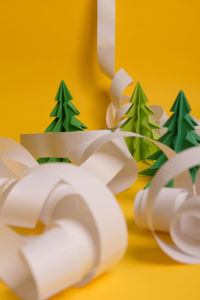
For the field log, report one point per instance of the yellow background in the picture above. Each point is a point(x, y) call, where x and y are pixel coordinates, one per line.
point(157, 42)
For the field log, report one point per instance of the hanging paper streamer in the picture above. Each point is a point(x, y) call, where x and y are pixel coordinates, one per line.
point(120, 80)
point(106, 56)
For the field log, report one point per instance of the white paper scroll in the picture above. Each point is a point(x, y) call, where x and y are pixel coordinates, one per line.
point(85, 232)
point(180, 209)
point(164, 209)
point(80, 240)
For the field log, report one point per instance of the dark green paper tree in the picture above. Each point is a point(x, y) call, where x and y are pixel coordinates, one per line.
point(179, 136)
point(65, 120)
point(140, 121)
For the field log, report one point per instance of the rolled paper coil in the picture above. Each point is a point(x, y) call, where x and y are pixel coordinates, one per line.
point(80, 241)
point(164, 210)
point(185, 228)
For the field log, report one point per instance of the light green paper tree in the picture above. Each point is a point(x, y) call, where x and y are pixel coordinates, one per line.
point(65, 120)
point(180, 135)
point(140, 121)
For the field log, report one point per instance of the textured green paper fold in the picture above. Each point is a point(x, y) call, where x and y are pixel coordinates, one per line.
point(65, 120)
point(179, 136)
point(140, 121)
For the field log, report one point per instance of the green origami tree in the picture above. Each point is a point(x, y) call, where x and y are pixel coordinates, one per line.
point(140, 121)
point(180, 135)
point(64, 113)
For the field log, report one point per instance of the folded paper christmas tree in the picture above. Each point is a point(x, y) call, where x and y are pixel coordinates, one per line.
point(140, 121)
point(64, 113)
point(179, 136)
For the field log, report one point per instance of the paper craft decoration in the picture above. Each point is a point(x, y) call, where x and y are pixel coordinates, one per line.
point(74, 205)
point(75, 202)
point(70, 200)
point(140, 121)
point(105, 154)
point(164, 210)
point(174, 210)
point(65, 120)
point(180, 135)
point(63, 197)
point(102, 152)
point(120, 103)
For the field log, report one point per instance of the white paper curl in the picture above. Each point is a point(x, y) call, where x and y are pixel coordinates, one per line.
point(81, 239)
point(184, 220)
point(67, 199)
point(121, 79)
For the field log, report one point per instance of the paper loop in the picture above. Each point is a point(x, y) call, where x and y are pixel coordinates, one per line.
point(104, 157)
point(183, 250)
point(96, 151)
point(67, 198)
point(62, 197)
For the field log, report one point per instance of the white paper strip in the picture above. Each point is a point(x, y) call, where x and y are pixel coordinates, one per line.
point(164, 209)
point(106, 57)
point(121, 79)
point(106, 36)
point(97, 151)
point(81, 239)
point(67, 198)
point(183, 222)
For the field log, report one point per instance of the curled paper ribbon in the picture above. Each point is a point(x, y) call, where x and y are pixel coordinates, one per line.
point(121, 80)
point(85, 229)
point(164, 209)
point(103, 153)
point(118, 106)
point(85, 232)
point(80, 238)
point(106, 57)
point(99, 151)
point(176, 211)
point(106, 156)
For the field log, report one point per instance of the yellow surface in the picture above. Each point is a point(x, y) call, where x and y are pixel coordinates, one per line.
point(157, 42)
